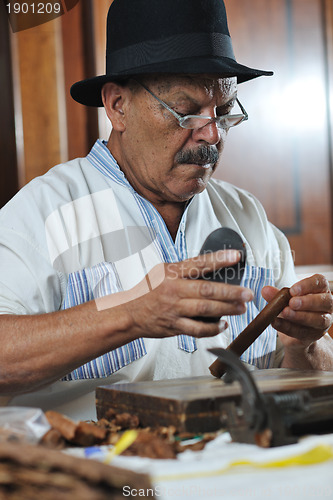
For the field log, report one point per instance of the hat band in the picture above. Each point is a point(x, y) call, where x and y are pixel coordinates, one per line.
point(166, 49)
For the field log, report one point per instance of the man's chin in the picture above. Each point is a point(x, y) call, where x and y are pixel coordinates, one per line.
point(195, 186)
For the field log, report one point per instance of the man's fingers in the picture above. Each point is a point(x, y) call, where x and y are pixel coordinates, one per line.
point(209, 290)
point(308, 319)
point(208, 308)
point(200, 329)
point(314, 284)
point(311, 310)
point(320, 302)
point(297, 331)
point(176, 303)
point(198, 266)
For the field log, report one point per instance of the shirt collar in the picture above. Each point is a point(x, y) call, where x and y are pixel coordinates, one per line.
point(101, 158)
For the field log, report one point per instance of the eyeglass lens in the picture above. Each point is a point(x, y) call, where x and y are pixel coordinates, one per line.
point(224, 122)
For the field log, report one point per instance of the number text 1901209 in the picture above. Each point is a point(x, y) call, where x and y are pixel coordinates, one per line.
point(34, 8)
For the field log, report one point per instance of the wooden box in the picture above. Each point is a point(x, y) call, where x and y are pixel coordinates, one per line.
point(195, 404)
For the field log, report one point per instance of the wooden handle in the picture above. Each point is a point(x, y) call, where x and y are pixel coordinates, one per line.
point(254, 329)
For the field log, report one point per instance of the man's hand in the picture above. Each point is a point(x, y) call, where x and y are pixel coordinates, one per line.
point(39, 349)
point(174, 299)
point(307, 318)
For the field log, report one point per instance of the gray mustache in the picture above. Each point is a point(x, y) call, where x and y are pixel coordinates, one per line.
point(201, 156)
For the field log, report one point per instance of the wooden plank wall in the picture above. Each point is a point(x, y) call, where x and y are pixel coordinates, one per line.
point(46, 60)
point(283, 154)
point(79, 63)
point(41, 103)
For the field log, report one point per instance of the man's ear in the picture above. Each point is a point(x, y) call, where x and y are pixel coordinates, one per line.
point(113, 97)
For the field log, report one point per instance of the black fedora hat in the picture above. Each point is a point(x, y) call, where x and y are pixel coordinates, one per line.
point(165, 36)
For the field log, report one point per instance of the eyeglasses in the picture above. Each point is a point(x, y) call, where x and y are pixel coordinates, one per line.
point(197, 121)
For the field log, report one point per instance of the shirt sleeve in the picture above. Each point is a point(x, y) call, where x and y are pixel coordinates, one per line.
point(28, 282)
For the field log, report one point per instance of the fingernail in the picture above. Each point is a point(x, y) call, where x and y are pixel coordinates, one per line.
point(296, 290)
point(241, 308)
point(247, 295)
point(223, 325)
point(290, 313)
point(296, 303)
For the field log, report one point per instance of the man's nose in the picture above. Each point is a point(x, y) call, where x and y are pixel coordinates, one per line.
point(210, 134)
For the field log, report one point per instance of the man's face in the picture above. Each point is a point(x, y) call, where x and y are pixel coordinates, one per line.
point(162, 161)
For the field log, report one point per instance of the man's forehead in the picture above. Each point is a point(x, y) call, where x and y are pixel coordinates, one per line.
point(210, 83)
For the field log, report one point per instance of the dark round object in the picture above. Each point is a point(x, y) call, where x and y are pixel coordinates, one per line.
point(224, 238)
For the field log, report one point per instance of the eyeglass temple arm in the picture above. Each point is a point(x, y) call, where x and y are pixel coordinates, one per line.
point(175, 114)
point(243, 110)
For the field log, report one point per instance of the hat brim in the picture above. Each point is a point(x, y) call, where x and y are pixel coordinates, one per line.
point(88, 91)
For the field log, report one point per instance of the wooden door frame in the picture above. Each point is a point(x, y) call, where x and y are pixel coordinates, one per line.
point(8, 161)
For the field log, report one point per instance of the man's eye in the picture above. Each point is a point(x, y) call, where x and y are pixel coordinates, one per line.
point(181, 114)
point(226, 110)
point(185, 110)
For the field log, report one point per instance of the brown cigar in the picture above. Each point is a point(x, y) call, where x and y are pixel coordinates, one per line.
point(254, 329)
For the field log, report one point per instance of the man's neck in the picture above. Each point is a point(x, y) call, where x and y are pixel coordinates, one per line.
point(171, 213)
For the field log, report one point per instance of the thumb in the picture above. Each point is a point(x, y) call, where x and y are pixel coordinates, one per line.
point(269, 292)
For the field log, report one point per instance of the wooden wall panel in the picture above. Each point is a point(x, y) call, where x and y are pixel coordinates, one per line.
point(282, 154)
point(88, 35)
point(37, 54)
point(73, 57)
point(49, 126)
point(100, 14)
point(79, 63)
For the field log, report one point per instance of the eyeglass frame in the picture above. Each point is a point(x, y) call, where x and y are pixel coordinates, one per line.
point(181, 119)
